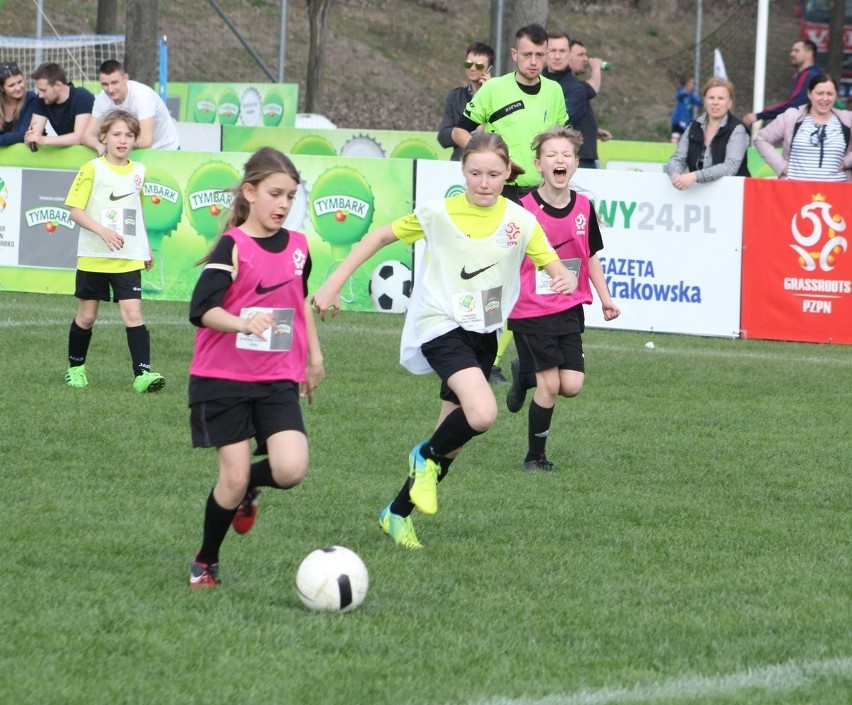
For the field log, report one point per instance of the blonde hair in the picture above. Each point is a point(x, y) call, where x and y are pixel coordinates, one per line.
point(491, 142)
point(716, 82)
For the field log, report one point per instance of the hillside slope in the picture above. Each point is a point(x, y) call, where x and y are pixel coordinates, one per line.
point(390, 63)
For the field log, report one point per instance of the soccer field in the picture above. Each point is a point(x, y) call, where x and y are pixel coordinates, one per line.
point(693, 545)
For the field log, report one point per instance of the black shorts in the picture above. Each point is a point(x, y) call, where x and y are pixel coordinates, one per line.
point(544, 352)
point(95, 286)
point(242, 410)
point(458, 350)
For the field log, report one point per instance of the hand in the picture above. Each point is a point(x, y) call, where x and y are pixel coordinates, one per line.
point(749, 119)
point(564, 283)
point(683, 181)
point(325, 300)
point(257, 324)
point(315, 375)
point(112, 239)
point(610, 311)
point(595, 63)
point(604, 135)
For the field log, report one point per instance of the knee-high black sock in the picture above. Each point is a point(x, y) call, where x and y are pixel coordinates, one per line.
point(78, 344)
point(453, 433)
point(261, 475)
point(538, 430)
point(139, 342)
point(217, 520)
point(402, 505)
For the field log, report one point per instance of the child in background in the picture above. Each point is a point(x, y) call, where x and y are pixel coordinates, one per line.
point(686, 100)
point(112, 249)
point(547, 328)
point(256, 353)
point(468, 281)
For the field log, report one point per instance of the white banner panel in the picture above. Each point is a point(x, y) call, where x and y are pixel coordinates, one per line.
point(10, 215)
point(672, 258)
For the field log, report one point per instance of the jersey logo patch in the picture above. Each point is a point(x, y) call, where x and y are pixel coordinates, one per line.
point(261, 289)
point(471, 275)
point(113, 197)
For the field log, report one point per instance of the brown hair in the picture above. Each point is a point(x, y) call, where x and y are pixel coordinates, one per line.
point(557, 132)
point(51, 72)
point(114, 116)
point(491, 142)
point(265, 162)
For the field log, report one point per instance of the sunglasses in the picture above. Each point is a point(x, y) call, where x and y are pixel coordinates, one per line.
point(8, 69)
point(470, 64)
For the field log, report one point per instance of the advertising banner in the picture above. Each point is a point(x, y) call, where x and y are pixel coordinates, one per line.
point(186, 202)
point(251, 104)
point(797, 268)
point(342, 142)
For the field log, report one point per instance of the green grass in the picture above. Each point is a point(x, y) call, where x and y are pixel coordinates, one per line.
point(693, 547)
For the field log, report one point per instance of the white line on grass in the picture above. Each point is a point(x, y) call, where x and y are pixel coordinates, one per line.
point(776, 678)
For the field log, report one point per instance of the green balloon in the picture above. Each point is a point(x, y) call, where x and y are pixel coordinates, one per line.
point(342, 208)
point(314, 144)
point(413, 149)
point(208, 197)
point(162, 205)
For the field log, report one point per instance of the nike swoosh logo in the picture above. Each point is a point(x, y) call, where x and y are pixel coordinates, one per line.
point(556, 247)
point(261, 289)
point(113, 197)
point(471, 275)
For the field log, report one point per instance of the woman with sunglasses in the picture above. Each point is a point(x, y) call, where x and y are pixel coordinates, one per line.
point(16, 105)
point(477, 67)
point(814, 137)
point(714, 144)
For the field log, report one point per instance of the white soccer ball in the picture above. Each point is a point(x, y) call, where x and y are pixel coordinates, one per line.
point(332, 579)
point(390, 287)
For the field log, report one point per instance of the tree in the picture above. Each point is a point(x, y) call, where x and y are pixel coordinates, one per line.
point(107, 17)
point(318, 11)
point(141, 53)
point(516, 14)
point(834, 64)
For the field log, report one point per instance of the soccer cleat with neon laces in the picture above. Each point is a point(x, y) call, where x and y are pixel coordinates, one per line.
point(149, 382)
point(76, 376)
point(203, 575)
point(516, 395)
point(399, 528)
point(424, 489)
point(247, 512)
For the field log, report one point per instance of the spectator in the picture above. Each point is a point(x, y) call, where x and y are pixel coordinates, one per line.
point(558, 69)
point(517, 106)
point(67, 108)
point(714, 145)
point(158, 128)
point(579, 61)
point(686, 100)
point(477, 65)
point(803, 59)
point(16, 104)
point(814, 137)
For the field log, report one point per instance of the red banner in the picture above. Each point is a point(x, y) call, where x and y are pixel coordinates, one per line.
point(797, 264)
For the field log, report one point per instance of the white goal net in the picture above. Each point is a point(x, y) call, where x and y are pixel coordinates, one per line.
point(79, 54)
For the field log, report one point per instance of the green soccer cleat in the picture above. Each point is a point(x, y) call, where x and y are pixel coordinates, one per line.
point(424, 489)
point(76, 376)
point(400, 529)
point(149, 382)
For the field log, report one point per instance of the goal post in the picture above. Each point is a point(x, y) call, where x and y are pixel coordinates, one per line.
point(79, 54)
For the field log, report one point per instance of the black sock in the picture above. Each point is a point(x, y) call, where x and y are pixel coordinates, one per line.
point(78, 344)
point(217, 520)
point(261, 475)
point(445, 467)
point(139, 342)
point(453, 433)
point(539, 428)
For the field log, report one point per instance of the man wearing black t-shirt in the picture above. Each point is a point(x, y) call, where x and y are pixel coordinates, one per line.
point(66, 107)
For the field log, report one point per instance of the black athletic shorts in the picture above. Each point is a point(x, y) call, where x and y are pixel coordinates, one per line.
point(95, 286)
point(242, 410)
point(544, 352)
point(458, 350)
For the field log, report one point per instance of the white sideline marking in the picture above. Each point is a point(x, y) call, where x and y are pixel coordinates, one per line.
point(776, 678)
